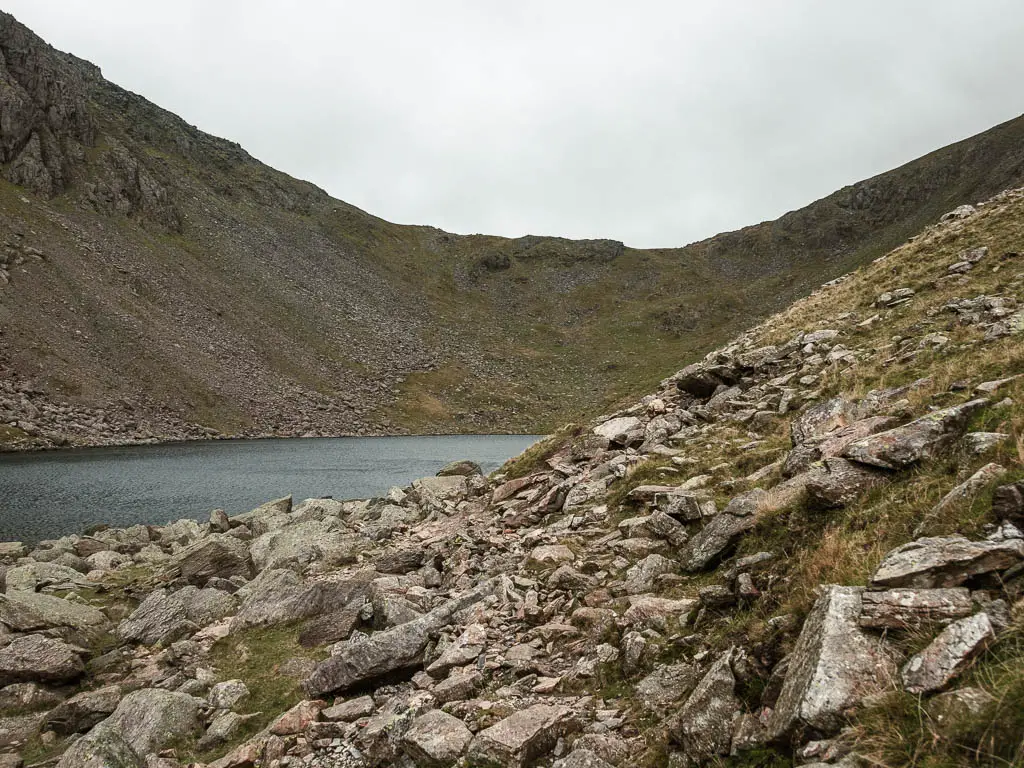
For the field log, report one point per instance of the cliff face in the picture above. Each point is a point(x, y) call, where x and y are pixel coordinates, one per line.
point(805, 548)
point(157, 282)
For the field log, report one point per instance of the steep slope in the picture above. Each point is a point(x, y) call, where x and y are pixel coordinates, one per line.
point(804, 549)
point(158, 282)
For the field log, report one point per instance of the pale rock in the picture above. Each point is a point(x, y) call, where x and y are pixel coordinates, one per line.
point(948, 654)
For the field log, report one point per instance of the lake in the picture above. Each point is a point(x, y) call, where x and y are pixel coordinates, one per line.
point(47, 495)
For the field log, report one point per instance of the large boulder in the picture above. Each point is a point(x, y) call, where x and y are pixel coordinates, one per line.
point(522, 737)
point(279, 596)
point(218, 555)
point(266, 517)
point(83, 710)
point(301, 544)
point(923, 438)
point(821, 419)
point(38, 658)
point(23, 611)
point(913, 608)
point(463, 467)
point(35, 577)
point(837, 482)
point(945, 561)
point(704, 725)
point(436, 739)
point(384, 652)
point(164, 617)
point(714, 539)
point(948, 654)
point(101, 748)
point(833, 667)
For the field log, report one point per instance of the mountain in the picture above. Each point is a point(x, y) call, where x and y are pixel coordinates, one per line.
point(157, 282)
point(804, 549)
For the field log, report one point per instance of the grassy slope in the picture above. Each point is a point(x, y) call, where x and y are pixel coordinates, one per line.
point(844, 546)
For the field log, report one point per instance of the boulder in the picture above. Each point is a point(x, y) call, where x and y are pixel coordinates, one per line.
point(353, 709)
point(226, 694)
point(551, 555)
point(522, 737)
point(101, 748)
point(837, 482)
point(833, 667)
point(1008, 502)
point(393, 649)
point(38, 658)
point(465, 649)
point(296, 719)
point(436, 739)
point(459, 685)
point(83, 710)
point(39, 576)
point(705, 723)
point(910, 444)
point(948, 654)
point(913, 608)
point(463, 467)
point(279, 596)
point(945, 561)
point(218, 555)
point(971, 487)
point(265, 517)
point(164, 617)
point(615, 429)
point(144, 722)
point(300, 544)
point(582, 758)
point(24, 611)
point(821, 419)
point(12, 550)
point(640, 577)
point(714, 539)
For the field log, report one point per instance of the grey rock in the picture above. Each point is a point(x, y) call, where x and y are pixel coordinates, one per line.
point(83, 710)
point(463, 650)
point(38, 658)
point(217, 555)
point(615, 429)
point(582, 758)
point(164, 617)
point(640, 577)
point(955, 706)
point(101, 748)
point(351, 709)
point(913, 608)
point(1008, 502)
point(301, 544)
point(39, 576)
point(836, 482)
point(948, 654)
point(222, 729)
point(923, 438)
point(279, 596)
point(714, 539)
point(24, 611)
point(821, 419)
point(705, 723)
point(833, 667)
point(458, 686)
point(945, 561)
point(522, 737)
point(436, 739)
point(226, 694)
point(383, 652)
point(463, 467)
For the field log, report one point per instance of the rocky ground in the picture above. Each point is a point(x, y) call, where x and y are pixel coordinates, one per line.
point(805, 549)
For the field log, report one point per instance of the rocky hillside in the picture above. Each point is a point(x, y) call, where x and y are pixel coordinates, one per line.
point(805, 549)
point(157, 282)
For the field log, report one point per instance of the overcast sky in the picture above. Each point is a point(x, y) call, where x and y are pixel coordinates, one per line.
point(655, 123)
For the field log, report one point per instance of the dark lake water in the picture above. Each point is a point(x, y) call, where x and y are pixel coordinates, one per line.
point(47, 495)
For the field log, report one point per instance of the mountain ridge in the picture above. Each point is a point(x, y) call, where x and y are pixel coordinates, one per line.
point(164, 284)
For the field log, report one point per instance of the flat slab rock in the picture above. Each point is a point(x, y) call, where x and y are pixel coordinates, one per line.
point(436, 739)
point(923, 438)
point(945, 561)
point(912, 608)
point(833, 667)
point(948, 654)
point(38, 658)
point(523, 736)
point(704, 725)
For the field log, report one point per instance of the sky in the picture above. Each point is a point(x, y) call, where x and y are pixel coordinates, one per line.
point(654, 123)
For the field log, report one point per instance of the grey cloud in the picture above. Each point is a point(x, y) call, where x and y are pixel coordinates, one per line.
point(656, 123)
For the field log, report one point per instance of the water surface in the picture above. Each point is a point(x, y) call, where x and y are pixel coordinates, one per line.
point(47, 495)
